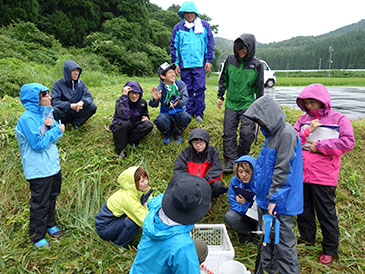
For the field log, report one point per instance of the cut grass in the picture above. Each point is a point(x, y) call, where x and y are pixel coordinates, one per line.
point(90, 170)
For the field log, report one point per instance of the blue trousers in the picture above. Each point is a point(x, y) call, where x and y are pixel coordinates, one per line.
point(172, 123)
point(194, 78)
point(119, 230)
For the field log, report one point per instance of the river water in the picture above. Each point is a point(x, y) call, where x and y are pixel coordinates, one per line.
point(347, 100)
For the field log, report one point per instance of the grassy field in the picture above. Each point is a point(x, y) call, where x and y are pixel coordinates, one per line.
point(90, 169)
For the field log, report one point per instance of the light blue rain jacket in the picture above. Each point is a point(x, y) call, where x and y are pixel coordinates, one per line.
point(39, 154)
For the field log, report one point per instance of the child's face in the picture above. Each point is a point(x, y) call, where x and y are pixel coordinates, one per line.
point(242, 52)
point(312, 104)
point(45, 98)
point(133, 96)
point(244, 174)
point(170, 77)
point(199, 145)
point(143, 184)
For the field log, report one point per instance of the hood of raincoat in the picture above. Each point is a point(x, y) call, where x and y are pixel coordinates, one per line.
point(68, 67)
point(199, 133)
point(29, 96)
point(249, 42)
point(268, 112)
point(251, 160)
point(188, 7)
point(318, 92)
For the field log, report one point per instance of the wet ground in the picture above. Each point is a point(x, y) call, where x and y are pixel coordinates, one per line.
point(347, 100)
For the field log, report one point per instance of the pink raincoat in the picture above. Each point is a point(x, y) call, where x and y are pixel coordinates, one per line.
point(323, 167)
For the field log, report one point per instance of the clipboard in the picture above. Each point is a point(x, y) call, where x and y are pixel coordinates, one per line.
point(248, 194)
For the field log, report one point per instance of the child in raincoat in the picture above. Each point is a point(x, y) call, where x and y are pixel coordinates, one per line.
point(37, 132)
point(321, 166)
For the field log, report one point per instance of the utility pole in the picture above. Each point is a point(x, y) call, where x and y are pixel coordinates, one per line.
point(331, 50)
point(320, 62)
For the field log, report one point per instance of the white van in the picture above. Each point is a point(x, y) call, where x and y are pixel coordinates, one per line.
point(269, 75)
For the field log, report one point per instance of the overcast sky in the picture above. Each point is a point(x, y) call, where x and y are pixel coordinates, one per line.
point(276, 20)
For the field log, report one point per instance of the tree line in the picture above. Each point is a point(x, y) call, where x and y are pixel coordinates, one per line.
point(133, 35)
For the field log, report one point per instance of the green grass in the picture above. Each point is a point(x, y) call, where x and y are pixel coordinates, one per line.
point(90, 170)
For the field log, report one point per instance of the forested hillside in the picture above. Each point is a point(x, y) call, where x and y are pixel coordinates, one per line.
point(308, 52)
point(133, 36)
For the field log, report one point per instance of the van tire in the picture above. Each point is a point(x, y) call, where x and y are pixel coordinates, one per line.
point(270, 83)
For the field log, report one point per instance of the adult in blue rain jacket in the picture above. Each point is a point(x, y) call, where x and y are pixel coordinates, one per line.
point(166, 245)
point(71, 99)
point(37, 132)
point(191, 48)
point(279, 181)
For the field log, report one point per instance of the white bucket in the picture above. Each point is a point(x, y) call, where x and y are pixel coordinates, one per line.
point(233, 267)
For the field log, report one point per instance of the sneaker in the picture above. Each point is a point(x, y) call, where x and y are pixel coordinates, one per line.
point(54, 232)
point(42, 243)
point(178, 139)
point(199, 119)
point(325, 259)
point(166, 140)
point(123, 155)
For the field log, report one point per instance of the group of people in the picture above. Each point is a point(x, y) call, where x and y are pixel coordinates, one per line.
point(296, 172)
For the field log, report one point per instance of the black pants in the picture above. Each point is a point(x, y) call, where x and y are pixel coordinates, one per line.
point(217, 188)
point(320, 200)
point(127, 132)
point(247, 134)
point(44, 192)
point(71, 116)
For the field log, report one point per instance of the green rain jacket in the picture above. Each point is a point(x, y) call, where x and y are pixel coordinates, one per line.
point(242, 78)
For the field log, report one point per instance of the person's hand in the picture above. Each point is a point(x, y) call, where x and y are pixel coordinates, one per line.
point(156, 95)
point(126, 89)
point(240, 199)
point(271, 208)
point(62, 127)
point(177, 70)
point(77, 106)
point(312, 146)
point(144, 118)
point(219, 103)
point(172, 105)
point(207, 67)
point(48, 122)
point(314, 125)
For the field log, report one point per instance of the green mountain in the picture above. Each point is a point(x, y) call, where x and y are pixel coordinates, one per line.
point(311, 52)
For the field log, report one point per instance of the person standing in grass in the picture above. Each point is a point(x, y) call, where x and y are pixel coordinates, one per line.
point(131, 121)
point(236, 217)
point(278, 181)
point(242, 78)
point(201, 159)
point(36, 133)
point(192, 51)
point(121, 216)
point(173, 97)
point(71, 99)
point(321, 165)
